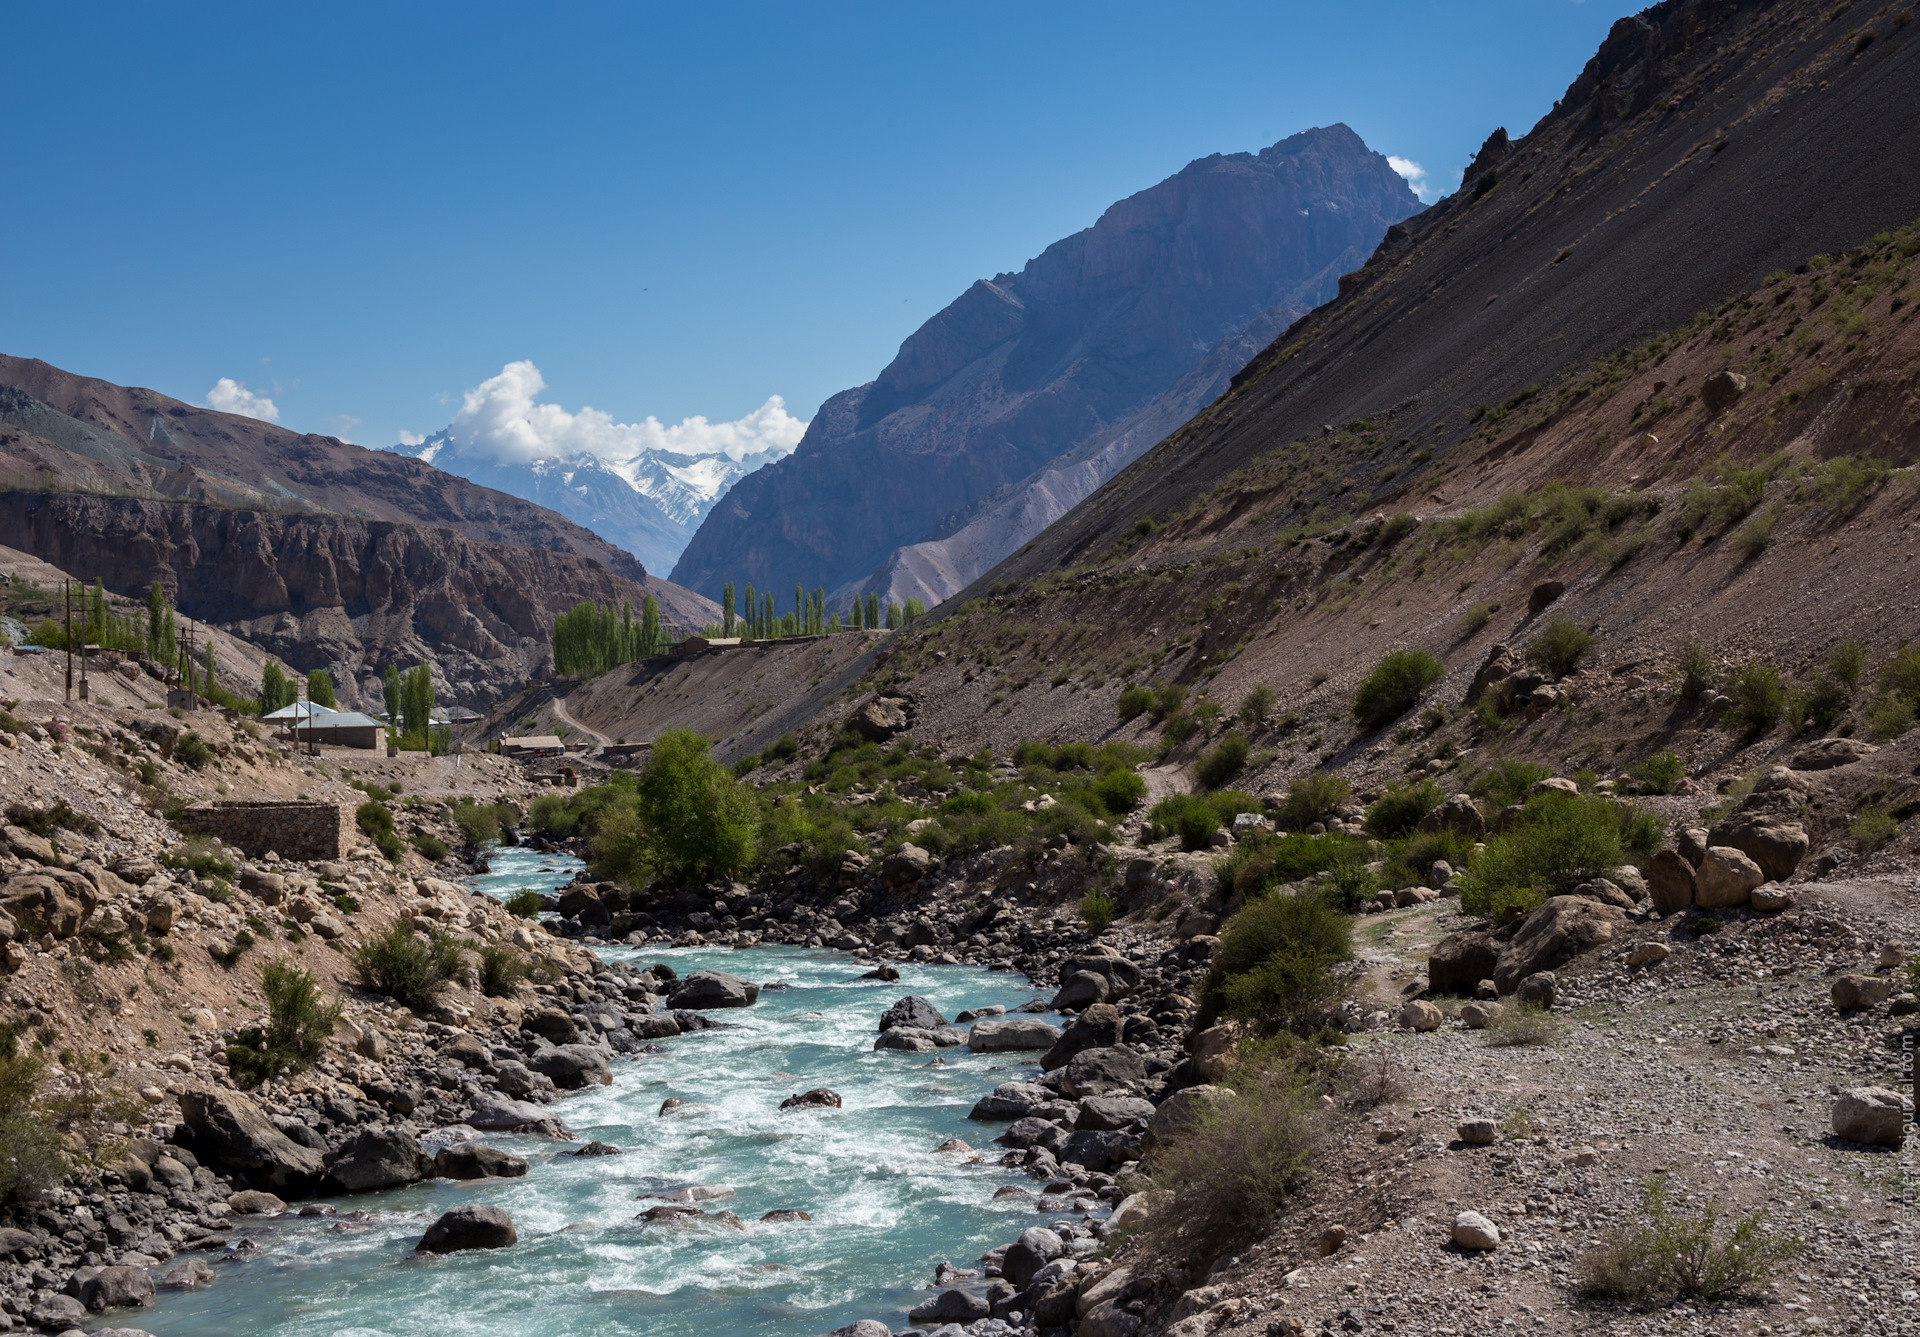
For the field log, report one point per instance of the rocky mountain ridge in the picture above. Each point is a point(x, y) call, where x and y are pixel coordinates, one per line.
point(1025, 367)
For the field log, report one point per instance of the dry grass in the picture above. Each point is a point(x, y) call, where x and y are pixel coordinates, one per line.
point(1523, 1024)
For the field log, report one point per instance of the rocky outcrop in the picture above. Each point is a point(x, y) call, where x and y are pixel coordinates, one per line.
point(471, 1227)
point(229, 1130)
point(1025, 367)
point(323, 591)
point(1561, 929)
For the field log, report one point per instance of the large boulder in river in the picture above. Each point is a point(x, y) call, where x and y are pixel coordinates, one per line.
point(116, 1288)
point(377, 1158)
point(1559, 930)
point(1099, 1027)
point(475, 1226)
point(1099, 1072)
point(711, 989)
point(1009, 1100)
point(914, 1011)
point(230, 1132)
point(997, 1035)
point(572, 1066)
point(477, 1160)
point(1081, 989)
point(1122, 976)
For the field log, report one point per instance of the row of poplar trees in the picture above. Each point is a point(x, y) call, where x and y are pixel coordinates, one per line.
point(590, 639)
point(757, 620)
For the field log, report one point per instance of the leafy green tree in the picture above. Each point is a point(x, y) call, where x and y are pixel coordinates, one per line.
point(726, 609)
point(416, 701)
point(320, 688)
point(210, 666)
point(276, 689)
point(391, 690)
point(649, 627)
point(913, 611)
point(697, 820)
point(159, 645)
point(873, 609)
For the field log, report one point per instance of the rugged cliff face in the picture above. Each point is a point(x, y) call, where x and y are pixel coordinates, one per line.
point(1026, 367)
point(348, 595)
point(65, 431)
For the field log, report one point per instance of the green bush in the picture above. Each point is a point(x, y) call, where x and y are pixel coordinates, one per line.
point(525, 903)
point(1394, 686)
point(1659, 774)
point(430, 848)
point(1119, 791)
point(398, 963)
point(1223, 762)
point(1523, 1024)
point(192, 751)
point(1133, 703)
point(295, 1035)
point(1232, 1171)
point(694, 820)
point(1848, 662)
point(1399, 810)
point(375, 820)
point(1098, 909)
point(1256, 707)
point(1560, 841)
point(1179, 727)
point(480, 823)
point(1759, 696)
point(1824, 702)
point(1901, 673)
point(1192, 819)
point(1696, 669)
point(1271, 967)
point(1664, 1257)
point(1168, 699)
point(200, 856)
point(1559, 646)
point(1890, 715)
point(1311, 797)
point(1259, 863)
point(1507, 781)
point(1475, 618)
point(32, 1158)
point(1873, 826)
point(502, 971)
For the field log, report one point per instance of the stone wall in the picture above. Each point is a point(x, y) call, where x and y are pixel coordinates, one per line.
point(293, 830)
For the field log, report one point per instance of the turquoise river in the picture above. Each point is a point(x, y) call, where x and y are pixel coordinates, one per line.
point(885, 1207)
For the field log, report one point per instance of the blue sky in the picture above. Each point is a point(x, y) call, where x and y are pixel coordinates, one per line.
point(361, 212)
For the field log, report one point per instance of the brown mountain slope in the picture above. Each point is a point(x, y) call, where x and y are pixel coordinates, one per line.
point(1705, 145)
point(142, 443)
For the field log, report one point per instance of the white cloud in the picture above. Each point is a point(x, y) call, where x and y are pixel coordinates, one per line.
point(501, 418)
point(345, 424)
point(229, 396)
point(1416, 177)
point(412, 438)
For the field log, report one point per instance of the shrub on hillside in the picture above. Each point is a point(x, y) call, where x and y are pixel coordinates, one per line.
point(1133, 703)
point(1257, 865)
point(295, 1034)
point(1271, 967)
point(1559, 646)
point(502, 971)
point(1659, 774)
point(375, 820)
point(1256, 707)
point(1759, 696)
point(1507, 781)
point(1399, 810)
point(1311, 797)
point(1696, 669)
point(1559, 841)
point(1191, 818)
point(525, 903)
point(32, 1159)
point(1098, 910)
point(480, 823)
point(1120, 791)
point(1223, 762)
point(1663, 1257)
point(1394, 686)
point(403, 965)
point(1235, 1168)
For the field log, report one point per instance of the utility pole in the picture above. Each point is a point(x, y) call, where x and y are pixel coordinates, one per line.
point(68, 593)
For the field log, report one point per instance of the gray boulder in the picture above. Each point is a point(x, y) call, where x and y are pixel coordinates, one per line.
point(57, 1313)
point(1099, 1027)
point(116, 1288)
point(1670, 882)
point(911, 1039)
point(1458, 813)
point(475, 1226)
point(571, 1067)
point(951, 1306)
point(1101, 1150)
point(1035, 1248)
point(1122, 976)
point(1081, 989)
point(1099, 1072)
point(1775, 845)
point(494, 1112)
point(377, 1158)
point(1460, 961)
point(1831, 752)
point(1725, 878)
point(1000, 1034)
point(1009, 1100)
point(231, 1132)
point(1875, 1115)
point(1554, 934)
point(705, 989)
point(913, 1011)
point(1110, 1113)
point(476, 1160)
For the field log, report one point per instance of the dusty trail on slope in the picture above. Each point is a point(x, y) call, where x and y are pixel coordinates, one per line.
point(560, 713)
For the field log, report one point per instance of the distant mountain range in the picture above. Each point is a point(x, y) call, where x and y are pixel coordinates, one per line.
point(1033, 388)
point(642, 486)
